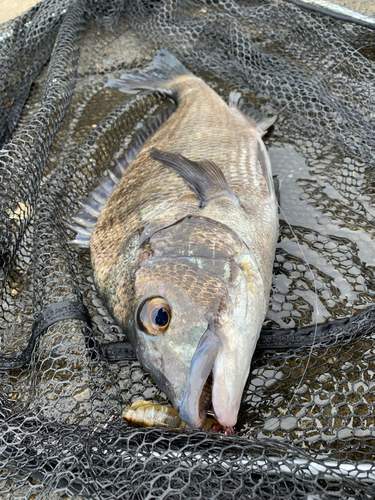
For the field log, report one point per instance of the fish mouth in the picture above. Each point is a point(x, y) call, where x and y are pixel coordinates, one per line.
point(217, 375)
point(198, 396)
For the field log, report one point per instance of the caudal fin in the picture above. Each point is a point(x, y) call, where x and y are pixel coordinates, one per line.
point(165, 68)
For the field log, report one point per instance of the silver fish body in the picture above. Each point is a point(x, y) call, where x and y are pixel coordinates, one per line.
point(183, 249)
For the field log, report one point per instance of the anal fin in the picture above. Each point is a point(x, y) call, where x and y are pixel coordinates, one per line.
point(260, 122)
point(204, 177)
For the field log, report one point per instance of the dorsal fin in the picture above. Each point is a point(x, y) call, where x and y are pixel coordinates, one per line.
point(204, 177)
point(83, 221)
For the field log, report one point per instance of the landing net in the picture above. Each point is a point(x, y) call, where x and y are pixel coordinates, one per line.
point(306, 426)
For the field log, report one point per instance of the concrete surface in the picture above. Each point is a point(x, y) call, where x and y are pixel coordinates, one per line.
point(364, 6)
point(13, 8)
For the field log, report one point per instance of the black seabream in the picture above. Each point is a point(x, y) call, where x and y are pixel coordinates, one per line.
point(182, 236)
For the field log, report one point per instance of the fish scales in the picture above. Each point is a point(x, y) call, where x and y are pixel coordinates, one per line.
point(182, 252)
point(222, 136)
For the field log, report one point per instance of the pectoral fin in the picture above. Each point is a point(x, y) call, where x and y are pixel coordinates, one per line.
point(204, 177)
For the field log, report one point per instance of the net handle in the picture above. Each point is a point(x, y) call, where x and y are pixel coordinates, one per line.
point(336, 11)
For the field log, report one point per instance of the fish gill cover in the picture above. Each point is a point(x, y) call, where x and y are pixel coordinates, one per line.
point(306, 425)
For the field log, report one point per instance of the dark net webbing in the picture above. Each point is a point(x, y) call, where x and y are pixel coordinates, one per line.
point(306, 427)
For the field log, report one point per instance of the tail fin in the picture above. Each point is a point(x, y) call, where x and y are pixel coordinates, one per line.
point(165, 68)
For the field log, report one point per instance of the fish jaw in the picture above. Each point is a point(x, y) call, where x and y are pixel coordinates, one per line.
point(225, 352)
point(229, 366)
point(230, 372)
point(191, 410)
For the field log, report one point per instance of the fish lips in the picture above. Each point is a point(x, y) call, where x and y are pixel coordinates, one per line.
point(193, 408)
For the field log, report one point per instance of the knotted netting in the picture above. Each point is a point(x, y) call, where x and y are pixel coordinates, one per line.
point(306, 426)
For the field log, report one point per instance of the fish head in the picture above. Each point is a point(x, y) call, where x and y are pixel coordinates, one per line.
point(196, 327)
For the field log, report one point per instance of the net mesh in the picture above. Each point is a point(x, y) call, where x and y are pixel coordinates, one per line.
point(306, 424)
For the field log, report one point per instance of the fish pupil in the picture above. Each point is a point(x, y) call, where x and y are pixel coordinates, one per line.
point(160, 316)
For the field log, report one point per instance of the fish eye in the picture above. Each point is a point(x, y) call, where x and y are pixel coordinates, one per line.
point(154, 316)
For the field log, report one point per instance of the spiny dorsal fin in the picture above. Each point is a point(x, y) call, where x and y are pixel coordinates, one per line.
point(83, 221)
point(204, 177)
point(260, 122)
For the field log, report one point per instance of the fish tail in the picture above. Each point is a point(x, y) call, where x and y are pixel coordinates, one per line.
point(164, 69)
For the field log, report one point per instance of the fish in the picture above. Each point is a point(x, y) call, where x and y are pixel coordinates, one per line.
point(145, 414)
point(182, 235)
